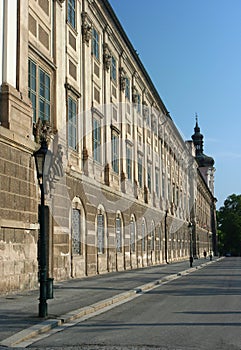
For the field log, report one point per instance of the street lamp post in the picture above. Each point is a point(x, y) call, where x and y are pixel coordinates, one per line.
point(40, 156)
point(191, 244)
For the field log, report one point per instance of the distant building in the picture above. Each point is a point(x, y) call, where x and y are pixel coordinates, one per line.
point(133, 192)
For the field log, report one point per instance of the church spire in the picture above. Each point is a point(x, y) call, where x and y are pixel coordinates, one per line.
point(197, 138)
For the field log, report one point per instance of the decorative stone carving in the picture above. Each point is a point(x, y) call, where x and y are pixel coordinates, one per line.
point(42, 131)
point(86, 28)
point(43, 134)
point(122, 79)
point(106, 57)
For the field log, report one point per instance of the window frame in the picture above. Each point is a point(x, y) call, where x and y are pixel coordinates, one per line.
point(132, 236)
point(118, 234)
point(32, 90)
point(127, 89)
point(157, 182)
point(40, 92)
point(129, 157)
point(113, 69)
point(152, 237)
point(149, 176)
point(79, 249)
point(140, 170)
point(138, 103)
point(72, 124)
point(71, 13)
point(143, 236)
point(115, 151)
point(96, 140)
point(100, 234)
point(95, 43)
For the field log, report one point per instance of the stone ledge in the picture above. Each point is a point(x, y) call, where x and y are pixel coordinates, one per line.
point(18, 224)
point(23, 143)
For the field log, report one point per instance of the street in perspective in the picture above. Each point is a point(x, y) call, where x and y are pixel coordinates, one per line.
point(198, 308)
point(113, 235)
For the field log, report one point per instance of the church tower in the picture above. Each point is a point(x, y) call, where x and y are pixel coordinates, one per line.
point(205, 163)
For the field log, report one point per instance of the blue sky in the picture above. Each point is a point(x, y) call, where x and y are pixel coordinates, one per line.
point(192, 52)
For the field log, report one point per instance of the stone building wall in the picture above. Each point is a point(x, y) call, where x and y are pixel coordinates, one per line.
point(18, 220)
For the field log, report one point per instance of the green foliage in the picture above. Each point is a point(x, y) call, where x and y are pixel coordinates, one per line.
point(229, 226)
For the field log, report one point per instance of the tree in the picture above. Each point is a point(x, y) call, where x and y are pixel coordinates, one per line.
point(229, 225)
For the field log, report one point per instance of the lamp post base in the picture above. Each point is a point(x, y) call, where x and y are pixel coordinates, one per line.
point(43, 308)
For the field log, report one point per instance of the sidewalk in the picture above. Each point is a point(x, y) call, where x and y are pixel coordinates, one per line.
point(75, 298)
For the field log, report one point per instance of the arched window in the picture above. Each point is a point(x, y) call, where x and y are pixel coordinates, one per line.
point(118, 230)
point(152, 236)
point(76, 231)
point(77, 226)
point(158, 238)
point(143, 235)
point(100, 232)
point(132, 235)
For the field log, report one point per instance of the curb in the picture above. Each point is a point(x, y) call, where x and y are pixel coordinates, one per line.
point(49, 324)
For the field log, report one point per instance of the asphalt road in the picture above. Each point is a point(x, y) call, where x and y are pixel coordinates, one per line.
point(198, 311)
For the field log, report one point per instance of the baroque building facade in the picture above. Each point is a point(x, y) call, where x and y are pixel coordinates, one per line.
point(132, 192)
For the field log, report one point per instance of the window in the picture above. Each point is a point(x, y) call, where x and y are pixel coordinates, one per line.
point(72, 123)
point(169, 190)
point(100, 233)
point(76, 231)
point(113, 68)
point(118, 234)
point(140, 170)
point(138, 103)
point(97, 94)
point(173, 198)
point(32, 87)
point(44, 95)
point(149, 177)
point(95, 43)
point(158, 238)
point(152, 238)
point(114, 113)
point(157, 181)
point(71, 12)
point(39, 91)
point(115, 151)
point(143, 236)
point(127, 89)
point(96, 140)
point(146, 112)
point(129, 162)
point(163, 186)
point(132, 236)
point(177, 197)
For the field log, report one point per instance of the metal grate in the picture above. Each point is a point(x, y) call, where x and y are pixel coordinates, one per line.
point(76, 232)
